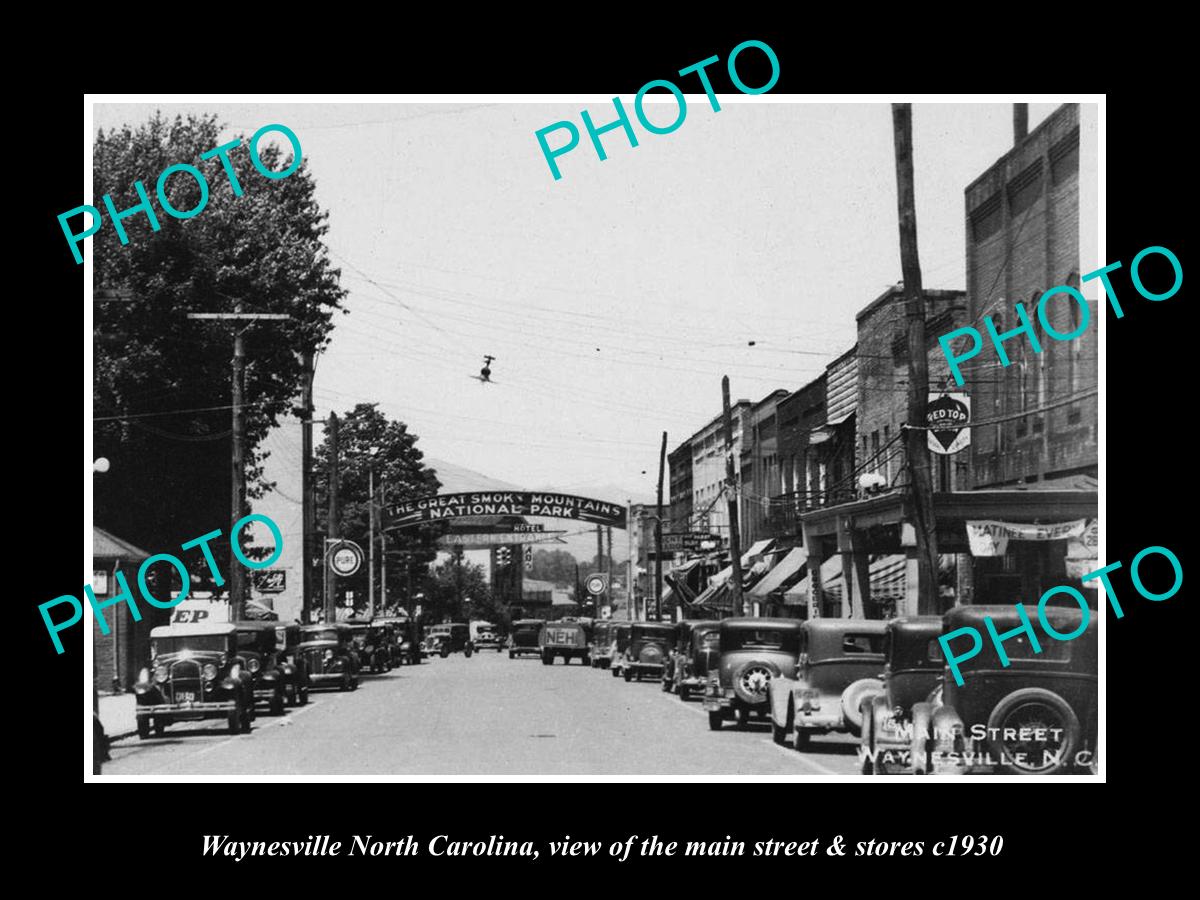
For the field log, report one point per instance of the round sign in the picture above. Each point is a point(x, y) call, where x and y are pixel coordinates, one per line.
point(596, 584)
point(345, 558)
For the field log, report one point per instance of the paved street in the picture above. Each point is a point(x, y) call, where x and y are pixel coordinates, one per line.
point(487, 715)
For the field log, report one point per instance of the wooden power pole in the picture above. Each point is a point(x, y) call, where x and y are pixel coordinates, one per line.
point(915, 437)
point(731, 485)
point(308, 501)
point(331, 527)
point(237, 573)
point(662, 462)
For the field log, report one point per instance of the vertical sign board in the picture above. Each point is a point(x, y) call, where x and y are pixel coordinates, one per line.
point(948, 418)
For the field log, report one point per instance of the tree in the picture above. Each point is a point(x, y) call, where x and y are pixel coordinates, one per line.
point(457, 591)
point(161, 389)
point(368, 439)
point(557, 566)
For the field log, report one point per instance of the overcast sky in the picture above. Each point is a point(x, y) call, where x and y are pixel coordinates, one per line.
point(615, 298)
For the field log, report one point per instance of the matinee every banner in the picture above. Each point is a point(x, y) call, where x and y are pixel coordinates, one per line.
point(507, 503)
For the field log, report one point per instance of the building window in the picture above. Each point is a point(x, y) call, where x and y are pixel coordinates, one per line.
point(1064, 158)
point(1025, 189)
point(986, 218)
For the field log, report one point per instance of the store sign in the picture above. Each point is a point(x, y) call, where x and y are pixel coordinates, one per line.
point(948, 418)
point(1083, 553)
point(507, 503)
point(271, 581)
point(100, 582)
point(194, 611)
point(596, 584)
point(988, 537)
point(689, 541)
point(345, 557)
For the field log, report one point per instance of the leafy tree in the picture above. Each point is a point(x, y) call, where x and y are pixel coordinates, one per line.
point(161, 389)
point(368, 440)
point(557, 566)
point(456, 591)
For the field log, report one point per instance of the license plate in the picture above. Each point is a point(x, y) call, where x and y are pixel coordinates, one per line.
point(186, 697)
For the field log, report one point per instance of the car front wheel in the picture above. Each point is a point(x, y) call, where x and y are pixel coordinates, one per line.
point(143, 727)
point(715, 721)
point(235, 720)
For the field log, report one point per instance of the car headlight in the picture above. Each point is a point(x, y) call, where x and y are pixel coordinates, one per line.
point(328, 653)
point(253, 664)
point(210, 671)
point(160, 674)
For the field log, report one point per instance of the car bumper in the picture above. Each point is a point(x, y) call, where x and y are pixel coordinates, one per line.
point(186, 710)
point(732, 703)
point(328, 678)
point(642, 668)
point(525, 651)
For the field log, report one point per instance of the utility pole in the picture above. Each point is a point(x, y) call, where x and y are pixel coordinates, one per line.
point(735, 550)
point(608, 534)
point(237, 574)
point(915, 436)
point(331, 527)
point(383, 604)
point(600, 556)
point(371, 541)
point(662, 462)
point(631, 579)
point(308, 502)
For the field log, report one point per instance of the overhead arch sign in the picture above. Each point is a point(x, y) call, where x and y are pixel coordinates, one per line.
point(506, 503)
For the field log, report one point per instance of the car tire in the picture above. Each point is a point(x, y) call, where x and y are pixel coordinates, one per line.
point(743, 719)
point(160, 727)
point(852, 702)
point(511, 655)
point(586, 660)
point(467, 652)
point(547, 659)
point(345, 685)
point(1049, 710)
point(628, 676)
point(302, 696)
point(277, 703)
point(666, 686)
point(292, 695)
point(684, 692)
point(444, 654)
point(247, 718)
point(715, 721)
point(800, 738)
point(354, 684)
point(235, 720)
point(143, 727)
point(918, 751)
point(616, 673)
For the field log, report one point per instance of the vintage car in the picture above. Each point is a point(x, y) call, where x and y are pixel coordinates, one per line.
point(367, 646)
point(327, 651)
point(291, 664)
point(840, 665)
point(649, 643)
point(194, 673)
point(912, 674)
point(754, 653)
point(378, 649)
point(619, 635)
point(487, 637)
point(601, 646)
point(458, 639)
point(404, 646)
point(1035, 716)
point(564, 638)
point(696, 652)
point(524, 639)
point(256, 643)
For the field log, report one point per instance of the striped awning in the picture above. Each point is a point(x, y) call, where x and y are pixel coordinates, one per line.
point(778, 577)
point(889, 576)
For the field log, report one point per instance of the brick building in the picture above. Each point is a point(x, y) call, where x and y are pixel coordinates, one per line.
point(119, 655)
point(679, 464)
point(760, 470)
point(1023, 237)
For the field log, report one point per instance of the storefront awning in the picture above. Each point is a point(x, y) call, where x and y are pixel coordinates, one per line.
point(888, 580)
point(831, 582)
point(682, 569)
point(778, 577)
point(758, 548)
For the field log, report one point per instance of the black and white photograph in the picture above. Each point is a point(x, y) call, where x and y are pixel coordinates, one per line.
point(684, 435)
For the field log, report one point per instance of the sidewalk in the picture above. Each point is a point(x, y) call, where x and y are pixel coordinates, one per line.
point(117, 715)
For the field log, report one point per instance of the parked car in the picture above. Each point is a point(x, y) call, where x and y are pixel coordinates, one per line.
point(564, 638)
point(459, 638)
point(649, 643)
point(404, 648)
point(601, 646)
point(525, 638)
point(754, 653)
point(380, 639)
point(1035, 716)
point(487, 637)
point(256, 643)
point(620, 641)
point(366, 647)
point(327, 651)
point(697, 651)
point(291, 664)
point(840, 665)
point(194, 673)
point(912, 674)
